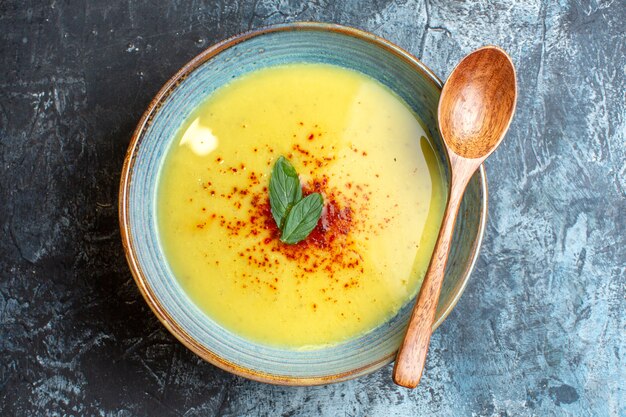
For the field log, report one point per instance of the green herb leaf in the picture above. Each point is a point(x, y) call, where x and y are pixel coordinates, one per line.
point(285, 190)
point(302, 219)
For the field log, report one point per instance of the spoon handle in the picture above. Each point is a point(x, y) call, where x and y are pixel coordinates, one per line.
point(411, 357)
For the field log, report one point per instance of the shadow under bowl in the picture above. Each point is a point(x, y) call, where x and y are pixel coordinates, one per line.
point(284, 44)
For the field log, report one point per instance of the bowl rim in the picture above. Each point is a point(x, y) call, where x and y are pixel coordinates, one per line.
point(126, 176)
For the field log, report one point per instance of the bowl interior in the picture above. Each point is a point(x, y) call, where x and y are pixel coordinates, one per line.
point(207, 72)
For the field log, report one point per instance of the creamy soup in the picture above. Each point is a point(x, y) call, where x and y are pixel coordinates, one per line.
point(350, 139)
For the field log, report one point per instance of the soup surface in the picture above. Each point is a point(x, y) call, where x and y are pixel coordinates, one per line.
point(350, 139)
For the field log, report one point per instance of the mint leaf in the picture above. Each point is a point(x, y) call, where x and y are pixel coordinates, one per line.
point(295, 216)
point(285, 190)
point(302, 219)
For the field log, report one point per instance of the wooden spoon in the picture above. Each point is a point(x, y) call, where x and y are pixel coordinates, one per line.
point(475, 109)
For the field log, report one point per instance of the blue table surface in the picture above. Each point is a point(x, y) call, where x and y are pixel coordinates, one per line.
point(540, 330)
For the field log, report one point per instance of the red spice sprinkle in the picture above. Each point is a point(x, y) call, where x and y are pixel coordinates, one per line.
point(301, 150)
point(311, 136)
point(330, 247)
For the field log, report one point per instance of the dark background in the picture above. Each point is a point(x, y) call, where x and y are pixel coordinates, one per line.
point(540, 329)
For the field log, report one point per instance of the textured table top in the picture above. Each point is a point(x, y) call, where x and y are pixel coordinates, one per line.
point(540, 330)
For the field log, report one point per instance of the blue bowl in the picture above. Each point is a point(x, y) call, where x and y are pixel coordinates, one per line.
point(299, 42)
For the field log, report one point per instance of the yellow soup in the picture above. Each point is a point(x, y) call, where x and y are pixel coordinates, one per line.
point(350, 139)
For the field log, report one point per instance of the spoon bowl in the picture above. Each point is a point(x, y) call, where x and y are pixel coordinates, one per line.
point(477, 103)
point(475, 110)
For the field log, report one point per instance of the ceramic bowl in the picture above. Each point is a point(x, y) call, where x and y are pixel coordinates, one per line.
point(300, 42)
